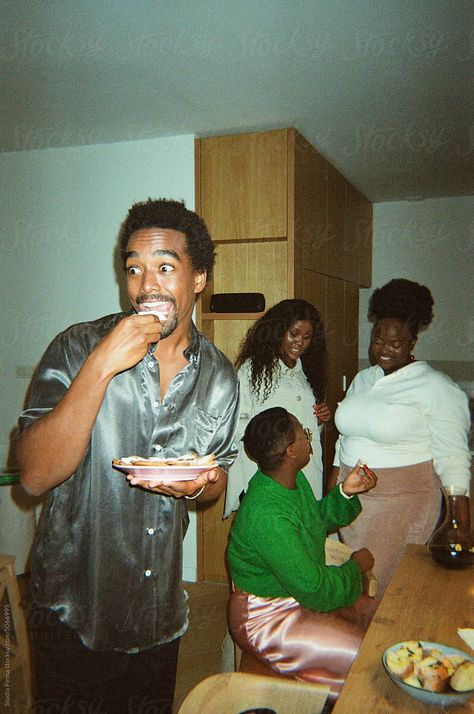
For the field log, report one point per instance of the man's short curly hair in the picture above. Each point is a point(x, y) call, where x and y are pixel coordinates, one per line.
point(403, 300)
point(166, 213)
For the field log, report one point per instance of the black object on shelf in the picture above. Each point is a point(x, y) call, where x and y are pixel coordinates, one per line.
point(237, 302)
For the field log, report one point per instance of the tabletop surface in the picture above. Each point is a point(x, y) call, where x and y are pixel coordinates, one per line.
point(422, 602)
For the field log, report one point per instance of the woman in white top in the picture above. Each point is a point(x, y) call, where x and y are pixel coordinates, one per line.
point(409, 423)
point(282, 363)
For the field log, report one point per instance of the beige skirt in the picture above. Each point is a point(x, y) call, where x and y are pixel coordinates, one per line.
point(403, 508)
point(310, 646)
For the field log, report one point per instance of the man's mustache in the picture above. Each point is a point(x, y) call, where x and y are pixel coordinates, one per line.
point(155, 297)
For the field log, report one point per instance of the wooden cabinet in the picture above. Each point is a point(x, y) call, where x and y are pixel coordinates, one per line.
point(243, 185)
point(287, 224)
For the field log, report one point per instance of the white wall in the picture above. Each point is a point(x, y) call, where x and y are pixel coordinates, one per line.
point(62, 210)
point(431, 242)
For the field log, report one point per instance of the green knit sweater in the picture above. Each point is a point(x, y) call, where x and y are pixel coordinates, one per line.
point(276, 546)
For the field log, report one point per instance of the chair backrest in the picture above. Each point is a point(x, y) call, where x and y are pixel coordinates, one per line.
point(236, 692)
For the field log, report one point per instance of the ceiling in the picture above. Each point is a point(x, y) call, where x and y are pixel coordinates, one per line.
point(383, 88)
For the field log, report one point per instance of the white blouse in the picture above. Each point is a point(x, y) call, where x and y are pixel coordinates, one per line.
point(292, 391)
point(412, 415)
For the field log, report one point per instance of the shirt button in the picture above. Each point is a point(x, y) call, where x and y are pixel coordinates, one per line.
point(157, 447)
point(147, 573)
point(150, 531)
point(156, 404)
point(298, 399)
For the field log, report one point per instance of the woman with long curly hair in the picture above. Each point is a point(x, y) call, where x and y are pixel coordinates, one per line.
point(282, 362)
point(409, 422)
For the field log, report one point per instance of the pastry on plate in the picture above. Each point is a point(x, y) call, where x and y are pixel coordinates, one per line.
point(190, 459)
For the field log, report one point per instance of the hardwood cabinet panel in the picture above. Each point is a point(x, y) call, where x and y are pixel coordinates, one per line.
point(228, 334)
point(310, 201)
point(351, 332)
point(358, 239)
point(315, 291)
point(337, 258)
point(335, 338)
point(212, 536)
point(338, 304)
point(252, 267)
point(243, 192)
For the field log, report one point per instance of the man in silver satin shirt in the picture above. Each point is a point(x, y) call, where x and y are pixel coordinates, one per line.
point(107, 605)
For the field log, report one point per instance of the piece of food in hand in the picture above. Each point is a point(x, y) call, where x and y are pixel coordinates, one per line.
point(161, 314)
point(432, 674)
point(463, 678)
point(190, 459)
point(402, 661)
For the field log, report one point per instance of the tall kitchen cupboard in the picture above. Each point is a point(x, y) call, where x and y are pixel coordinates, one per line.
point(286, 224)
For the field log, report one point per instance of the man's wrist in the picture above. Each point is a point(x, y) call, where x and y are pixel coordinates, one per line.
point(198, 493)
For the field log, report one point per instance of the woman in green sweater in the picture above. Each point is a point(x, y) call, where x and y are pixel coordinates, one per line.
point(288, 608)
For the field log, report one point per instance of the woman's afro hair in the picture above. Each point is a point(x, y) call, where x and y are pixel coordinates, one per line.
point(403, 300)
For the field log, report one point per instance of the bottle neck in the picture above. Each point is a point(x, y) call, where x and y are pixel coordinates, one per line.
point(457, 511)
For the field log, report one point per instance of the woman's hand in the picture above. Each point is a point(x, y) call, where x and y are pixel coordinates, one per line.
point(363, 558)
point(359, 480)
point(322, 412)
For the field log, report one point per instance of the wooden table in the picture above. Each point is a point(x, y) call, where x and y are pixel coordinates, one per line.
point(422, 602)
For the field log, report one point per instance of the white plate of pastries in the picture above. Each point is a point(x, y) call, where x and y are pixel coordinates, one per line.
point(159, 468)
point(434, 673)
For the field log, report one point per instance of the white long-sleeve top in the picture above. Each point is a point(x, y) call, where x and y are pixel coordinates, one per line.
point(412, 415)
point(292, 391)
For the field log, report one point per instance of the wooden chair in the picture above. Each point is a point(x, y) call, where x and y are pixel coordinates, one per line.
point(14, 646)
point(236, 692)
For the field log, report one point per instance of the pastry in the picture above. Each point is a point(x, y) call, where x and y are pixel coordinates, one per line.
point(463, 678)
point(432, 674)
point(160, 462)
point(401, 661)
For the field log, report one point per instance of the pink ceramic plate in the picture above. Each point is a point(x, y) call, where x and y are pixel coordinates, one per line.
point(163, 473)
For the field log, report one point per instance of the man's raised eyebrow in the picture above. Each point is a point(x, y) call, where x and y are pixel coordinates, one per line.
point(160, 251)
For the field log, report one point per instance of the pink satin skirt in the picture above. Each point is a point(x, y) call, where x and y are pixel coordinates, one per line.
point(403, 508)
point(311, 646)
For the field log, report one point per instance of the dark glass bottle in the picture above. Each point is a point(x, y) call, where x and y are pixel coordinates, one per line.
point(452, 543)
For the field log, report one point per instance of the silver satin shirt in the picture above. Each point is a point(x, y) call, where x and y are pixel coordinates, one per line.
point(108, 556)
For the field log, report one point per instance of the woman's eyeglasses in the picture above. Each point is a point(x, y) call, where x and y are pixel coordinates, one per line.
point(308, 436)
